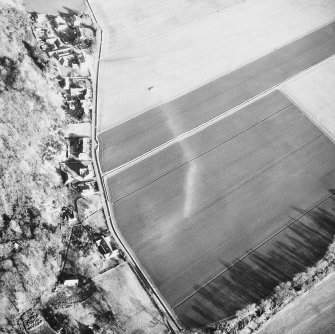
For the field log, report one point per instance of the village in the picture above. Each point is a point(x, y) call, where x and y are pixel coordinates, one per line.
point(68, 40)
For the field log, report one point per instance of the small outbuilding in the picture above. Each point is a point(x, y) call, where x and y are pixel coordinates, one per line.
point(71, 282)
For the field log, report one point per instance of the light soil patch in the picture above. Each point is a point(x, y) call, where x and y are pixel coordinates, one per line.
point(313, 92)
point(54, 6)
point(129, 22)
point(130, 303)
point(162, 68)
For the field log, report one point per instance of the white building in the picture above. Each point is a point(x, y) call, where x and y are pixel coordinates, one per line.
point(60, 23)
point(71, 282)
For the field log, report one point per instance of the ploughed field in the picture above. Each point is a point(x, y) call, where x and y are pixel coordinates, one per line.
point(128, 140)
point(219, 218)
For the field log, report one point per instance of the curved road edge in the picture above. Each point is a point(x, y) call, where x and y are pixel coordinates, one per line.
point(168, 314)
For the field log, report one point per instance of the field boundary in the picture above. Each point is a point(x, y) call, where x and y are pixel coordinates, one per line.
point(327, 133)
point(297, 300)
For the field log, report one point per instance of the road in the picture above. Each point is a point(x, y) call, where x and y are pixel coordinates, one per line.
point(169, 317)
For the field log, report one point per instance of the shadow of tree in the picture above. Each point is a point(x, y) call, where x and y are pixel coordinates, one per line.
point(293, 250)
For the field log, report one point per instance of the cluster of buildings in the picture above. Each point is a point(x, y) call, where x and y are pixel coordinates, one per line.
point(66, 38)
point(77, 167)
point(63, 37)
point(78, 95)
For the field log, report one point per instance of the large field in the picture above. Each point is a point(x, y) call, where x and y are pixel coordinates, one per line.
point(191, 210)
point(143, 133)
point(219, 181)
point(187, 49)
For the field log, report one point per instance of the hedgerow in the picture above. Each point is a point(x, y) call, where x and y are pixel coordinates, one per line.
point(252, 317)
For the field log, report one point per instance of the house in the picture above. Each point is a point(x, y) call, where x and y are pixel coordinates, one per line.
point(71, 282)
point(76, 91)
point(44, 47)
point(51, 42)
point(86, 147)
point(76, 62)
point(81, 58)
point(75, 66)
point(85, 188)
point(70, 175)
point(104, 246)
point(41, 20)
point(79, 175)
point(54, 44)
point(79, 81)
point(57, 43)
point(68, 215)
point(66, 60)
point(85, 36)
point(108, 248)
point(52, 53)
point(87, 106)
point(60, 23)
point(50, 30)
point(56, 48)
point(88, 113)
point(40, 33)
point(73, 108)
point(63, 50)
point(75, 21)
point(79, 140)
point(89, 89)
point(64, 83)
point(71, 104)
point(77, 171)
